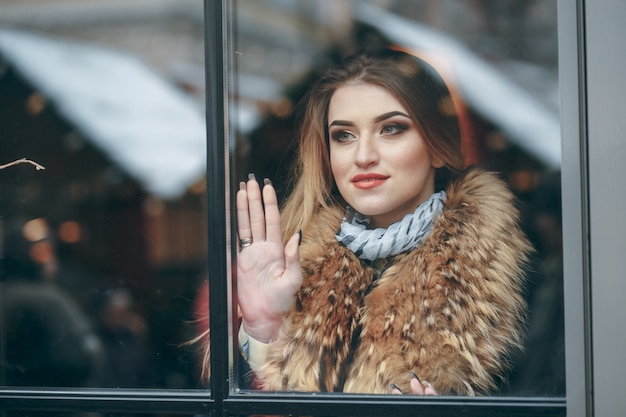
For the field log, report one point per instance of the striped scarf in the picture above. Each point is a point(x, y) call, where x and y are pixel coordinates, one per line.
point(399, 237)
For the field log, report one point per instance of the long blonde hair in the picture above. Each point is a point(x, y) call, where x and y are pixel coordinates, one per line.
point(411, 80)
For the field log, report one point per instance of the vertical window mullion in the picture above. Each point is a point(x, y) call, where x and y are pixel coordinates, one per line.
point(216, 192)
point(576, 255)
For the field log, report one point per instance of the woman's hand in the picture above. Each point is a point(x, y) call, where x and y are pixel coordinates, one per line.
point(268, 273)
point(417, 387)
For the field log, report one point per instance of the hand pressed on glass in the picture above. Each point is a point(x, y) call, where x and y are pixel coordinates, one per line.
point(268, 273)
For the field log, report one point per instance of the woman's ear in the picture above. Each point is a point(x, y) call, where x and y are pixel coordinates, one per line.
point(437, 162)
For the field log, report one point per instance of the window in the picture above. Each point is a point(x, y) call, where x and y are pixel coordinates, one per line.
point(150, 249)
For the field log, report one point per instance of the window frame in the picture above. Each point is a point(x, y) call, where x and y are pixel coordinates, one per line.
point(575, 197)
point(605, 88)
point(222, 400)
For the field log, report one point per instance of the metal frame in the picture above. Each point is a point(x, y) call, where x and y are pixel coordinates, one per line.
point(575, 195)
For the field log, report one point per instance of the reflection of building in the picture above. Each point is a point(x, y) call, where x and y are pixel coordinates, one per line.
point(509, 87)
point(123, 189)
point(108, 131)
point(116, 116)
point(510, 127)
point(167, 34)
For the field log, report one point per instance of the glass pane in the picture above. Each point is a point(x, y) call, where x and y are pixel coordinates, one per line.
point(499, 61)
point(103, 252)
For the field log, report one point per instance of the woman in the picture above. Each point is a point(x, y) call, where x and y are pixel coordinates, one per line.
point(370, 280)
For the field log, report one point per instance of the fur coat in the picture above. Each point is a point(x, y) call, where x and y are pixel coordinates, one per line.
point(450, 311)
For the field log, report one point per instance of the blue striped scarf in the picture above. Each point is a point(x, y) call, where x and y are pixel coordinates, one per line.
point(399, 237)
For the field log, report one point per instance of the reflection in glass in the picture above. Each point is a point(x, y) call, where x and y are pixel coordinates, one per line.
point(490, 57)
point(103, 252)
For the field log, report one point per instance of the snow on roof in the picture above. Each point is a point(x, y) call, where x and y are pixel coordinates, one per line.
point(150, 129)
point(525, 119)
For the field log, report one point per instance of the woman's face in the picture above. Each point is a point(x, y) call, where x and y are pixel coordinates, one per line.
point(380, 162)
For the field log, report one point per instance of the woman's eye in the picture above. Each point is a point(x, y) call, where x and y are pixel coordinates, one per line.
point(392, 129)
point(342, 136)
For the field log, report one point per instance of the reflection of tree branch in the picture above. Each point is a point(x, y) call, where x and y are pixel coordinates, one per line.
point(23, 161)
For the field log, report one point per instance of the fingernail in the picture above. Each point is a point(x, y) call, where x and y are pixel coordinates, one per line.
point(242, 185)
point(251, 176)
point(394, 386)
point(267, 181)
point(412, 374)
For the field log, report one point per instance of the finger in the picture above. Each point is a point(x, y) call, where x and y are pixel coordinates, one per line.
point(292, 248)
point(272, 213)
point(428, 388)
point(243, 214)
point(395, 390)
point(416, 386)
point(255, 205)
point(292, 261)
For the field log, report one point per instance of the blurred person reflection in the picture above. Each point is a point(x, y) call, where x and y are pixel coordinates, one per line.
point(46, 340)
point(123, 333)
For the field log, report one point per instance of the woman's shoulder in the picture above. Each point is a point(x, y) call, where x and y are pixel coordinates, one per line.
point(480, 218)
point(482, 196)
point(478, 186)
point(481, 223)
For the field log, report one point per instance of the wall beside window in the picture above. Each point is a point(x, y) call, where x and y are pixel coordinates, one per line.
point(605, 91)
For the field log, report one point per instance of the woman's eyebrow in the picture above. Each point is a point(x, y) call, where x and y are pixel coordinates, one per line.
point(390, 114)
point(341, 123)
point(377, 119)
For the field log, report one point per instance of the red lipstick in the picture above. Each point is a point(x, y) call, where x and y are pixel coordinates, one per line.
point(367, 181)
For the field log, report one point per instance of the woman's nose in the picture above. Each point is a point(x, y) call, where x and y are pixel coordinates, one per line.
point(366, 152)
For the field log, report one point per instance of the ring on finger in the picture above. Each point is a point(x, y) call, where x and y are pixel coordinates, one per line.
point(245, 242)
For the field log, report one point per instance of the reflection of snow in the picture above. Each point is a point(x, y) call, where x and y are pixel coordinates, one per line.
point(150, 129)
point(256, 89)
point(533, 126)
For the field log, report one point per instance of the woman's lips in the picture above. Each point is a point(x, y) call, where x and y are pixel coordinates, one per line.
point(366, 181)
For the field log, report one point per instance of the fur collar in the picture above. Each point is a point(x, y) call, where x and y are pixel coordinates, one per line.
point(450, 311)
